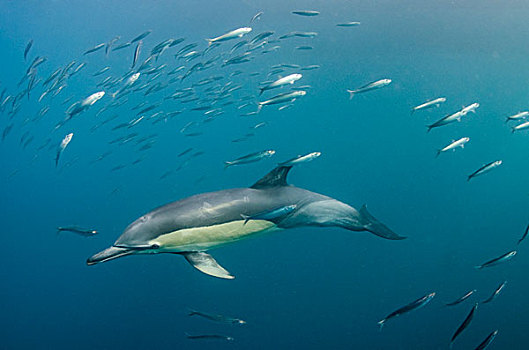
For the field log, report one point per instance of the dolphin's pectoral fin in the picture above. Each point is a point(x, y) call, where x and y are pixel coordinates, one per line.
point(277, 177)
point(207, 264)
point(374, 226)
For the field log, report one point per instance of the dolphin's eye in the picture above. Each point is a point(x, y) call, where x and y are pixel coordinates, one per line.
point(155, 246)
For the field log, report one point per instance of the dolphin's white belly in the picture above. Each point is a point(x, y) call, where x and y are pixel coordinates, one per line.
point(206, 237)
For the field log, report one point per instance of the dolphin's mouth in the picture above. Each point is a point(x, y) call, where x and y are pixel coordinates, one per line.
point(110, 253)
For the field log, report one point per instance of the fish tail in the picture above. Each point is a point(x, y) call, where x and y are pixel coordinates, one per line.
point(429, 128)
point(261, 91)
point(246, 218)
point(192, 312)
point(507, 120)
point(259, 107)
point(381, 324)
point(469, 177)
point(438, 153)
point(412, 111)
point(478, 267)
point(513, 129)
point(210, 41)
point(227, 165)
point(351, 94)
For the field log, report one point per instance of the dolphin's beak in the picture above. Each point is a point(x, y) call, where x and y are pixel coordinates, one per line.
point(108, 254)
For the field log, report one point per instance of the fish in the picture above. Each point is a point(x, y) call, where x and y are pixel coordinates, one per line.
point(348, 24)
point(193, 225)
point(306, 13)
point(407, 308)
point(64, 143)
point(470, 108)
point(270, 214)
point(94, 49)
point(259, 37)
point(250, 158)
point(136, 53)
point(485, 343)
point(370, 86)
point(429, 104)
point(216, 318)
point(496, 292)
point(446, 120)
point(289, 79)
point(461, 299)
point(121, 46)
point(524, 234)
point(237, 33)
point(256, 17)
point(281, 98)
point(501, 259)
point(520, 115)
point(453, 145)
point(301, 159)
point(304, 47)
point(210, 336)
point(101, 71)
point(110, 44)
point(28, 47)
point(485, 169)
point(521, 126)
point(141, 36)
point(465, 324)
point(83, 105)
point(311, 67)
point(299, 35)
point(77, 230)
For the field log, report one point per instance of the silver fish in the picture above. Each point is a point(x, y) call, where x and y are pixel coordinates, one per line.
point(503, 258)
point(485, 169)
point(370, 86)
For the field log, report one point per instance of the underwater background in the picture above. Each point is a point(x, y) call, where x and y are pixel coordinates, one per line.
point(306, 288)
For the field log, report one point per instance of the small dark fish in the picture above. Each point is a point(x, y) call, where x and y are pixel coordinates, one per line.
point(136, 53)
point(209, 336)
point(465, 324)
point(505, 257)
point(304, 48)
point(306, 13)
point(524, 234)
point(461, 299)
point(256, 17)
point(311, 67)
point(496, 293)
point(101, 71)
point(185, 152)
point(94, 49)
point(216, 318)
point(407, 308)
point(141, 36)
point(270, 215)
point(28, 47)
point(78, 230)
point(121, 46)
point(485, 343)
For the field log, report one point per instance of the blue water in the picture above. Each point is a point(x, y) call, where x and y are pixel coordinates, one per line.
point(306, 288)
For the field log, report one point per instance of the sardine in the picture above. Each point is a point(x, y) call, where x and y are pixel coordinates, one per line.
point(462, 298)
point(407, 308)
point(370, 86)
point(216, 318)
point(306, 13)
point(430, 104)
point(237, 33)
point(289, 79)
point(28, 47)
point(465, 324)
point(94, 49)
point(64, 143)
point(141, 36)
point(270, 214)
point(250, 158)
point(485, 343)
point(503, 258)
point(453, 145)
point(301, 159)
point(495, 293)
point(485, 169)
point(78, 230)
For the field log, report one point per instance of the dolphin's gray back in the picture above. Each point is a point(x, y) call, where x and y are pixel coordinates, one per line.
point(213, 208)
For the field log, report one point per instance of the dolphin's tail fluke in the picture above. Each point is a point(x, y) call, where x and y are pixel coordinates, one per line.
point(376, 227)
point(108, 254)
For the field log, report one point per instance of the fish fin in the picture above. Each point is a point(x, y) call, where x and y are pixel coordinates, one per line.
point(205, 263)
point(261, 91)
point(351, 94)
point(246, 218)
point(513, 129)
point(462, 146)
point(275, 178)
point(210, 41)
point(376, 227)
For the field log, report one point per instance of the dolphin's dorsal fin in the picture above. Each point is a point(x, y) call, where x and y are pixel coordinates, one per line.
point(275, 178)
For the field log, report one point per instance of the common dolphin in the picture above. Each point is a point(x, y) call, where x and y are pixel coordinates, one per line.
point(193, 225)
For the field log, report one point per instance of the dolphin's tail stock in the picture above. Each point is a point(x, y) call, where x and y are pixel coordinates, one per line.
point(374, 226)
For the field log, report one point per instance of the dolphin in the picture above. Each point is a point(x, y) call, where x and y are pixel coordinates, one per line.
point(194, 225)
